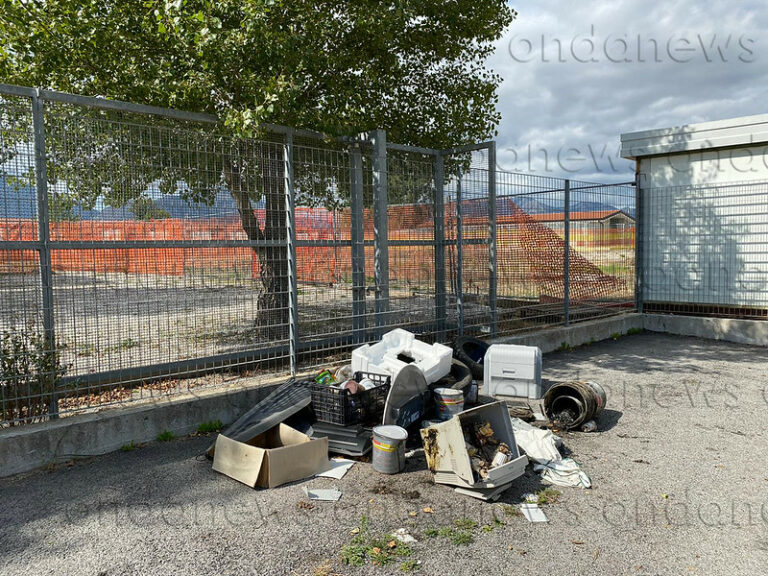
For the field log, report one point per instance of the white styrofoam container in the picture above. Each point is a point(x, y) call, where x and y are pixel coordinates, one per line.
point(448, 459)
point(433, 360)
point(512, 371)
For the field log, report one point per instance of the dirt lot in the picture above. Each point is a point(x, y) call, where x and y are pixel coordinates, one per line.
point(679, 472)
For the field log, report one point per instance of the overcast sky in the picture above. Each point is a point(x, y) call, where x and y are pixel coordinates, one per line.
point(577, 75)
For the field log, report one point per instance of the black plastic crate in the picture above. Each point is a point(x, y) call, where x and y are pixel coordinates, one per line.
point(336, 406)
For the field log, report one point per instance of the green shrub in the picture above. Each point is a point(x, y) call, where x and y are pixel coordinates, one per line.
point(30, 371)
point(210, 427)
point(165, 436)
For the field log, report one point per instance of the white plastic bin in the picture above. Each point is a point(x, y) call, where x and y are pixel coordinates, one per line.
point(512, 371)
point(381, 358)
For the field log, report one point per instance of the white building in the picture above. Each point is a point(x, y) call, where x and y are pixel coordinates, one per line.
point(704, 216)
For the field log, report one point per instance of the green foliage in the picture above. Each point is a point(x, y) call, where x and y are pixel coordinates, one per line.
point(165, 436)
point(547, 496)
point(30, 371)
point(496, 523)
point(414, 68)
point(210, 427)
point(632, 331)
point(465, 523)
point(61, 208)
point(510, 510)
point(462, 538)
point(459, 534)
point(379, 551)
point(616, 335)
point(129, 447)
point(565, 347)
point(144, 208)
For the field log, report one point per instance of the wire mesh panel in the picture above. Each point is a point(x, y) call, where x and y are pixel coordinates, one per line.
point(26, 367)
point(143, 252)
point(531, 251)
point(467, 232)
point(704, 250)
point(602, 242)
point(324, 250)
point(411, 237)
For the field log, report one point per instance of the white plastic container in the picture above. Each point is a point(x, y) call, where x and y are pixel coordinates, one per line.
point(381, 358)
point(511, 371)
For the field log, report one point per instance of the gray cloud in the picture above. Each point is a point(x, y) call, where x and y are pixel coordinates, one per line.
point(577, 75)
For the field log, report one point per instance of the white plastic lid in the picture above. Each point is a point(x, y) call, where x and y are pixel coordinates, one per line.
point(391, 431)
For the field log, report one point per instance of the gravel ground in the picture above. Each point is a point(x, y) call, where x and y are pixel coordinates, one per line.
point(679, 472)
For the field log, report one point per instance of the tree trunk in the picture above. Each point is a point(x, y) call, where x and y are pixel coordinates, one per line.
point(267, 178)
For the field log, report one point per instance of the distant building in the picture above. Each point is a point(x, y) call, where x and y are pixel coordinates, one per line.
point(594, 220)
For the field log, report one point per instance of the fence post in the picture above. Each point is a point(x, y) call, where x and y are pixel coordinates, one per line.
point(440, 297)
point(639, 248)
point(567, 254)
point(459, 258)
point(492, 248)
point(44, 238)
point(380, 229)
point(358, 242)
point(290, 226)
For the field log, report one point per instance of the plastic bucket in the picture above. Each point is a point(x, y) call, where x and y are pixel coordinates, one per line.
point(389, 449)
point(449, 402)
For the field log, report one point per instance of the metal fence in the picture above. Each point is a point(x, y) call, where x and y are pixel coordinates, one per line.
point(708, 254)
point(144, 253)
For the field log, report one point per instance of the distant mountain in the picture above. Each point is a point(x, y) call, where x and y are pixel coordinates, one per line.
point(223, 205)
point(591, 207)
point(17, 200)
point(529, 204)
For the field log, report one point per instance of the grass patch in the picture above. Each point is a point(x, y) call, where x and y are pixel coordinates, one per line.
point(616, 335)
point(547, 496)
point(511, 510)
point(125, 344)
point(465, 524)
point(165, 436)
point(210, 427)
point(633, 331)
point(129, 447)
point(461, 533)
point(378, 550)
point(462, 538)
point(495, 523)
point(565, 347)
point(409, 565)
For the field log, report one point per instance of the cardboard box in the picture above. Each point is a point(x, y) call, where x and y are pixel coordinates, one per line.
point(447, 456)
point(275, 457)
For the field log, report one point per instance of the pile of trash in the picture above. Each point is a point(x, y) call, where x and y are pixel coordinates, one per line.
point(459, 403)
point(484, 449)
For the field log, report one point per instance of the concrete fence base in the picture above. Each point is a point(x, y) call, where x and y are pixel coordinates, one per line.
point(33, 446)
point(753, 332)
